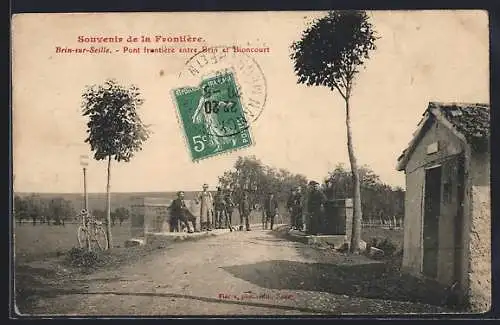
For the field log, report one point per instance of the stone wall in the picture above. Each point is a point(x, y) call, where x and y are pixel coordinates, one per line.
point(479, 257)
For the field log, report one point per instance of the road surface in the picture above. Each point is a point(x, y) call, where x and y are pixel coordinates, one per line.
point(239, 273)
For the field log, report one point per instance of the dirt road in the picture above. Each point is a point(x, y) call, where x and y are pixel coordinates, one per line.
point(239, 273)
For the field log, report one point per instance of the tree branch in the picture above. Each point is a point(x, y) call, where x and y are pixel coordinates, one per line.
point(340, 91)
point(345, 82)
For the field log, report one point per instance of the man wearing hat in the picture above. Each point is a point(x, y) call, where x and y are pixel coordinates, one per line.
point(271, 209)
point(315, 207)
point(229, 206)
point(245, 207)
point(329, 189)
point(179, 212)
point(219, 207)
point(289, 206)
point(206, 208)
point(295, 206)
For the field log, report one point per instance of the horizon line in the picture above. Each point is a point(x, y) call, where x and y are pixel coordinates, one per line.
point(88, 193)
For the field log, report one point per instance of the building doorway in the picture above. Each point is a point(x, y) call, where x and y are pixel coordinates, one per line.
point(432, 207)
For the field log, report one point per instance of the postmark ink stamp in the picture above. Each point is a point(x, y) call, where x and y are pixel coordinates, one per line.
point(250, 76)
point(212, 116)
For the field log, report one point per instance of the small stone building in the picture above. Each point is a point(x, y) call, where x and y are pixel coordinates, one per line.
point(447, 232)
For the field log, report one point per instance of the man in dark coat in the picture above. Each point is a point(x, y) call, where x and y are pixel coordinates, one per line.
point(179, 212)
point(295, 206)
point(289, 206)
point(245, 207)
point(219, 207)
point(315, 207)
point(271, 209)
point(329, 189)
point(229, 208)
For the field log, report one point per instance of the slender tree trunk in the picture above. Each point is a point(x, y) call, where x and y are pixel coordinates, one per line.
point(108, 206)
point(357, 212)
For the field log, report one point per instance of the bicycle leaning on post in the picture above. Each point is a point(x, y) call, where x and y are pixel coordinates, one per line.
point(91, 233)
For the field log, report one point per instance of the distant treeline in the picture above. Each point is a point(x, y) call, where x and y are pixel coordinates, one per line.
point(379, 200)
point(98, 200)
point(57, 210)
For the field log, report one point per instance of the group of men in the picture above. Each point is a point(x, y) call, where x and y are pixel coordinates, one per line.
point(216, 211)
point(307, 211)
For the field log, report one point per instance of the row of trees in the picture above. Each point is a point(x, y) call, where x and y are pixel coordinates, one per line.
point(57, 211)
point(379, 200)
point(249, 173)
point(34, 208)
point(118, 215)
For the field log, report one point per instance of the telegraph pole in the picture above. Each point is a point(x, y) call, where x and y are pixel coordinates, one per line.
point(84, 162)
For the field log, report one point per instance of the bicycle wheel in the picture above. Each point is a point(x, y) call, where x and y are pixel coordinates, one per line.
point(82, 235)
point(99, 240)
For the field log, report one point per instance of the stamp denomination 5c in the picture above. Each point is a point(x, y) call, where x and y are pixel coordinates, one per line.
point(212, 116)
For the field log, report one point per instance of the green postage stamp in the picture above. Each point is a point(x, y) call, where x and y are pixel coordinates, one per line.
point(212, 116)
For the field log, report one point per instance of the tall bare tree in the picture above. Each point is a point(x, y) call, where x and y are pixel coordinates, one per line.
point(330, 53)
point(115, 130)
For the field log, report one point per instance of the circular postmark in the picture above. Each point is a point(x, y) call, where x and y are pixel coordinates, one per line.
point(233, 89)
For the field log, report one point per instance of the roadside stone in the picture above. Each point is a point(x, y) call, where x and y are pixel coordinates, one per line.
point(376, 253)
point(134, 242)
point(362, 246)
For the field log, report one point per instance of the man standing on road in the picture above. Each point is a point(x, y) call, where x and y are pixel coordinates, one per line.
point(296, 208)
point(271, 209)
point(315, 208)
point(206, 208)
point(289, 206)
point(179, 212)
point(245, 207)
point(219, 207)
point(229, 205)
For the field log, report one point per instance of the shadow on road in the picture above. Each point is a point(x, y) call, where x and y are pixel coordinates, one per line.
point(362, 280)
point(336, 274)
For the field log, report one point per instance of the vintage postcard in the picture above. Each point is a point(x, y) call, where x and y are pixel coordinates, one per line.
point(251, 163)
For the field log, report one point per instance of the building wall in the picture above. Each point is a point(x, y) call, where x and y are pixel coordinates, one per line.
point(479, 237)
point(449, 146)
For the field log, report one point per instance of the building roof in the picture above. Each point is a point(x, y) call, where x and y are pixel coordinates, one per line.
point(468, 121)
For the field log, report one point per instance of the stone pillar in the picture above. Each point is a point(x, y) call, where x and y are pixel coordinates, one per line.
point(137, 218)
point(149, 215)
point(338, 217)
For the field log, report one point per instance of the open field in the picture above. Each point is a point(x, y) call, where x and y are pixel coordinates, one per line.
point(43, 241)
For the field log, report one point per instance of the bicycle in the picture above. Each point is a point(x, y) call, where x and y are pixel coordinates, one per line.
point(91, 233)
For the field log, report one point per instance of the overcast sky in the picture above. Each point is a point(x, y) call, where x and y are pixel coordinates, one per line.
point(421, 56)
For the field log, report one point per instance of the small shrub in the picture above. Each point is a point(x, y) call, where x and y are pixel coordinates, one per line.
point(81, 257)
point(383, 243)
